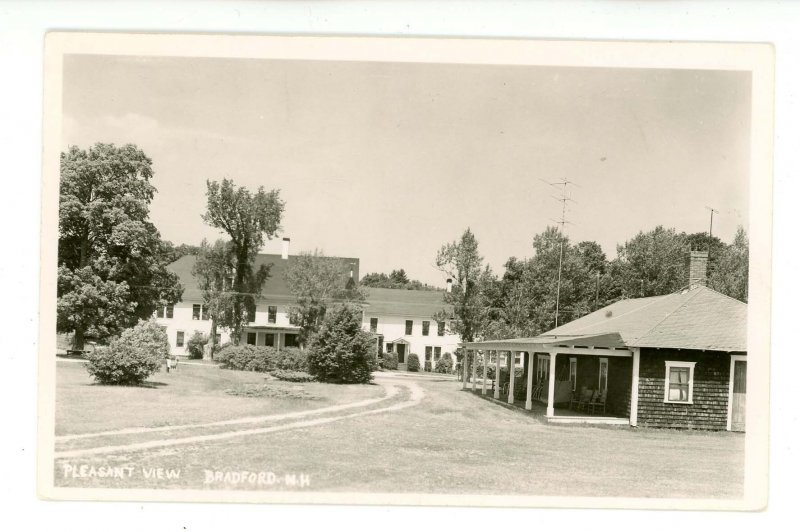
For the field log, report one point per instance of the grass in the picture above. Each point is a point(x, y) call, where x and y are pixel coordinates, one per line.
point(192, 394)
point(451, 443)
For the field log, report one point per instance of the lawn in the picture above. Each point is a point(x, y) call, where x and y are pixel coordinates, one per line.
point(452, 442)
point(192, 394)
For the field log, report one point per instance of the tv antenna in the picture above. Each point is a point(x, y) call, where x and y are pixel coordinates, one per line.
point(564, 197)
point(711, 225)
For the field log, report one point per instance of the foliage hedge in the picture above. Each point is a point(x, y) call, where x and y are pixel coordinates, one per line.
point(388, 361)
point(445, 364)
point(413, 362)
point(133, 357)
point(196, 345)
point(291, 376)
point(262, 358)
point(341, 351)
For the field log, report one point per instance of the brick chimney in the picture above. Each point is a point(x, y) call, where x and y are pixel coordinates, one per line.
point(698, 268)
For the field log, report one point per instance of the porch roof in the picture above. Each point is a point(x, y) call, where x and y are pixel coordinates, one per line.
point(606, 340)
point(272, 328)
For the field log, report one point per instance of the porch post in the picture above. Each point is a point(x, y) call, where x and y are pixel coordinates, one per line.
point(635, 388)
point(528, 399)
point(511, 379)
point(485, 369)
point(496, 374)
point(551, 385)
point(474, 371)
point(464, 369)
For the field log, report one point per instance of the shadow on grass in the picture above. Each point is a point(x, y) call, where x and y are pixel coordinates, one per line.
point(146, 384)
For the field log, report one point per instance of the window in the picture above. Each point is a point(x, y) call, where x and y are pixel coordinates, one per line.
point(170, 310)
point(251, 313)
point(602, 378)
point(679, 382)
point(179, 339)
point(440, 328)
point(573, 373)
point(290, 340)
point(199, 312)
point(373, 325)
point(272, 314)
point(428, 352)
point(269, 339)
point(165, 312)
point(437, 353)
point(542, 368)
point(409, 326)
point(389, 347)
point(426, 327)
point(517, 359)
point(251, 338)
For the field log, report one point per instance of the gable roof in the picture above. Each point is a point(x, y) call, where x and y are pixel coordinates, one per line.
point(274, 286)
point(700, 318)
point(401, 302)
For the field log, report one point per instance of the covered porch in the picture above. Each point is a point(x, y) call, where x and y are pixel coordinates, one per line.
point(271, 336)
point(568, 379)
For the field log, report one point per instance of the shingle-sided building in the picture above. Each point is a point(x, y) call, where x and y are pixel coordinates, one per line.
point(677, 360)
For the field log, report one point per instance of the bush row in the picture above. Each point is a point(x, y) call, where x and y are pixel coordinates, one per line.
point(262, 358)
point(291, 376)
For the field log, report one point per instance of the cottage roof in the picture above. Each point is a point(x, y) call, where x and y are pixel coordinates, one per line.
point(401, 302)
point(700, 318)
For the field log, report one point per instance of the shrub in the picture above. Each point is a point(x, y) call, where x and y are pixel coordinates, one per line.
point(291, 376)
point(413, 362)
point(388, 361)
point(292, 359)
point(130, 359)
point(445, 364)
point(428, 365)
point(196, 345)
point(341, 351)
point(262, 358)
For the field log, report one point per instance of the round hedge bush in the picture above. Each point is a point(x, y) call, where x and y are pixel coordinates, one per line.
point(341, 351)
point(445, 364)
point(132, 358)
point(388, 361)
point(413, 362)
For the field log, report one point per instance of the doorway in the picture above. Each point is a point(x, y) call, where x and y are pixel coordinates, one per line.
point(738, 395)
point(401, 353)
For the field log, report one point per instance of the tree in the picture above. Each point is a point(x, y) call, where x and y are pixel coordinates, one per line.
point(213, 269)
point(247, 219)
point(341, 351)
point(730, 276)
point(652, 263)
point(317, 281)
point(397, 279)
point(461, 261)
point(111, 268)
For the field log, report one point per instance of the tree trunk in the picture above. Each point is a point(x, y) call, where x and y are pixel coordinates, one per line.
point(212, 340)
point(79, 340)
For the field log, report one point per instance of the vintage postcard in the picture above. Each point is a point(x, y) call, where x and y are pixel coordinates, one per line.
point(406, 271)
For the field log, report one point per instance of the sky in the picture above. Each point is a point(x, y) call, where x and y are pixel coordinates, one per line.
point(389, 161)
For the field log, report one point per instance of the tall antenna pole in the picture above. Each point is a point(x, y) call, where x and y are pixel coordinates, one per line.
point(563, 198)
point(711, 225)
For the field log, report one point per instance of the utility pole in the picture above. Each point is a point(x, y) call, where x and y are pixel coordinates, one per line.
point(563, 198)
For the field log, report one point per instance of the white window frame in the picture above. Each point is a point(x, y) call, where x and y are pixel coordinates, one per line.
point(573, 372)
point(542, 367)
point(600, 374)
point(669, 364)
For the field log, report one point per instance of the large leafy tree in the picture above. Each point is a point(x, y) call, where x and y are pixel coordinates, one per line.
point(248, 219)
point(730, 276)
point(111, 270)
point(213, 269)
point(397, 279)
point(318, 281)
point(461, 261)
point(651, 264)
